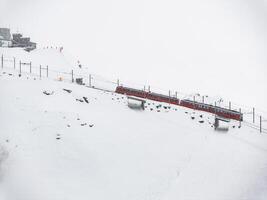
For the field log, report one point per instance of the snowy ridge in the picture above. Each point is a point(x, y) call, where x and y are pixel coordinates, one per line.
point(61, 147)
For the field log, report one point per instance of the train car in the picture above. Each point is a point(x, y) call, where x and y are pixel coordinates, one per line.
point(222, 112)
point(148, 95)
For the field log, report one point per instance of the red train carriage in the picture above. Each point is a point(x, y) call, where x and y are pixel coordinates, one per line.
point(148, 95)
point(222, 112)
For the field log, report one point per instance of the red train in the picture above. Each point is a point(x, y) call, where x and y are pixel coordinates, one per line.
point(222, 112)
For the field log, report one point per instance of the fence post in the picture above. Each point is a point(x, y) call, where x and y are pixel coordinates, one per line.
point(2, 60)
point(20, 67)
point(47, 71)
point(253, 115)
point(40, 71)
point(14, 59)
point(176, 94)
point(30, 67)
point(260, 124)
point(202, 99)
point(215, 108)
point(229, 105)
point(72, 80)
point(118, 82)
point(90, 80)
point(149, 88)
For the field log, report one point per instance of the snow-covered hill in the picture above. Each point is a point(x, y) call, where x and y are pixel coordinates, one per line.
point(55, 145)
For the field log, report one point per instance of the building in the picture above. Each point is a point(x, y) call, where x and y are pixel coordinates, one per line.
point(5, 37)
point(25, 42)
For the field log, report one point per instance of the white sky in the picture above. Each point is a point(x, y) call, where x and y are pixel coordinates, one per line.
point(211, 46)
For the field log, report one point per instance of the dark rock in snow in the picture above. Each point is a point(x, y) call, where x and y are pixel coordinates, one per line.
point(48, 93)
point(86, 99)
point(201, 121)
point(83, 124)
point(80, 100)
point(67, 90)
point(192, 117)
point(91, 125)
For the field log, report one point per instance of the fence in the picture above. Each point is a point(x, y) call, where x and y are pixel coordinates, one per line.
point(251, 117)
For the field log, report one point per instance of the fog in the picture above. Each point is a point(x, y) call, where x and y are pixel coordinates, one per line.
point(212, 47)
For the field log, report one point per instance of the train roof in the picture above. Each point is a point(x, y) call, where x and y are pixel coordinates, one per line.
point(209, 105)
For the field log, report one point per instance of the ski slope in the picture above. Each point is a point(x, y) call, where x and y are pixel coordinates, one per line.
point(57, 146)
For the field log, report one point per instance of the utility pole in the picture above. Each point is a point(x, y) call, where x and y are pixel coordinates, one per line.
point(40, 71)
point(14, 59)
point(72, 80)
point(253, 112)
point(240, 118)
point(20, 67)
point(2, 61)
point(90, 82)
point(260, 125)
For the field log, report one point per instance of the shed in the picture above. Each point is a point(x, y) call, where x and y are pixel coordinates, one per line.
point(136, 103)
point(221, 123)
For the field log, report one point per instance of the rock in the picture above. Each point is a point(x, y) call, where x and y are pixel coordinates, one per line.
point(48, 93)
point(86, 99)
point(91, 125)
point(67, 90)
point(80, 100)
point(201, 121)
point(192, 117)
point(83, 124)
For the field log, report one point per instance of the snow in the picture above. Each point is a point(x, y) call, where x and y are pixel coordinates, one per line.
point(57, 147)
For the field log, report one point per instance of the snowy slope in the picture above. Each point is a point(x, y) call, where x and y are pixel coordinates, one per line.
point(53, 154)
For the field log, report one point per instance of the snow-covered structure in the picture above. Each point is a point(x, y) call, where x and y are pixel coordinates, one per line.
point(5, 37)
point(19, 41)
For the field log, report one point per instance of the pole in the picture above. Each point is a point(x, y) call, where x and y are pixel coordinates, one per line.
point(240, 118)
point(229, 105)
point(169, 96)
point(47, 71)
point(20, 67)
point(40, 71)
point(260, 124)
point(149, 88)
point(215, 108)
point(253, 115)
point(202, 99)
point(30, 67)
point(72, 80)
point(14, 59)
point(90, 80)
point(194, 99)
point(176, 94)
point(118, 82)
point(2, 61)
